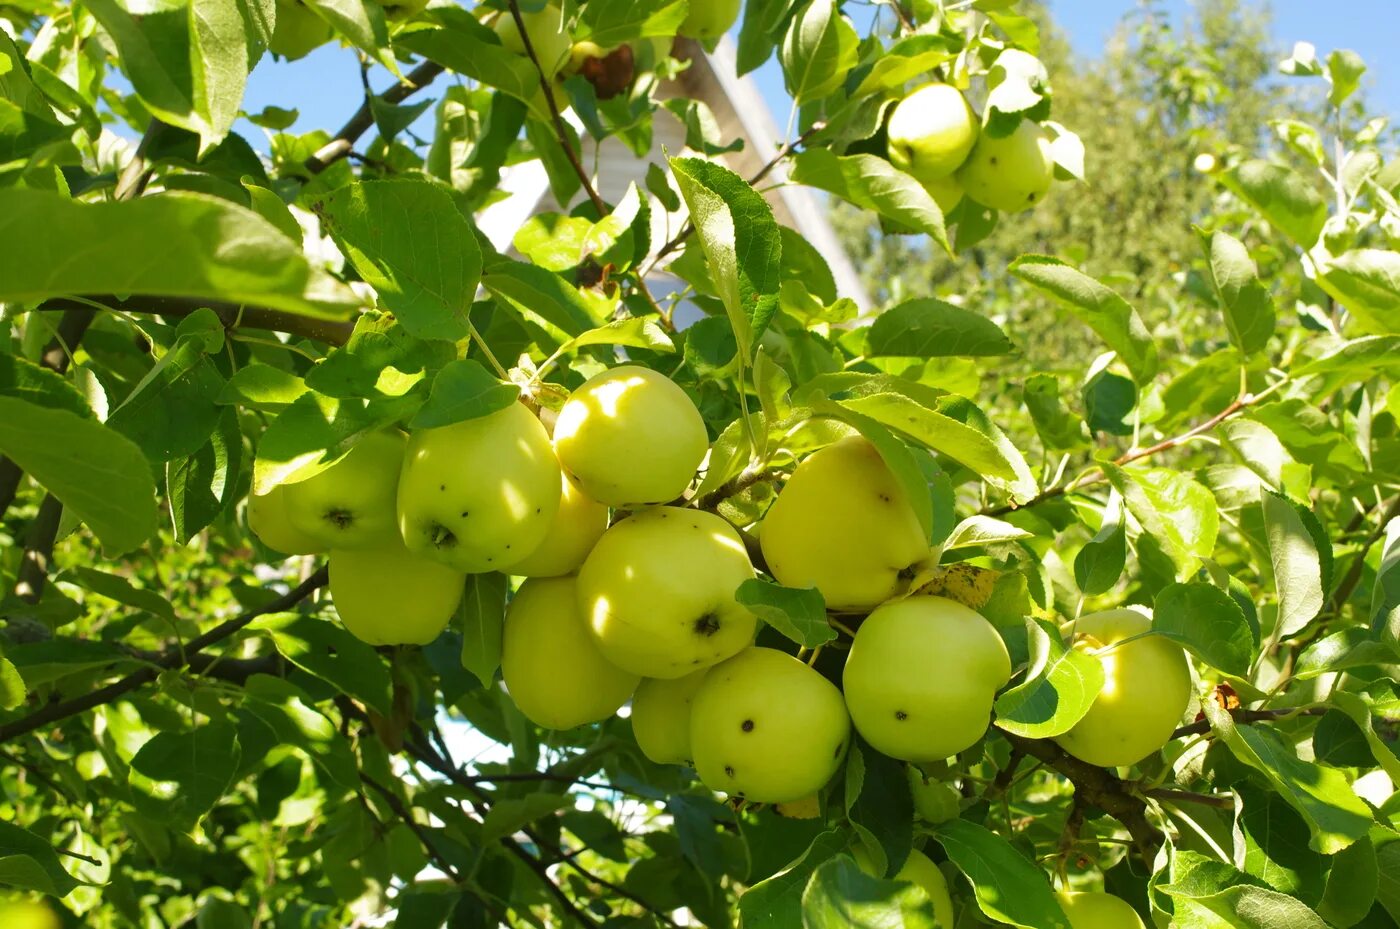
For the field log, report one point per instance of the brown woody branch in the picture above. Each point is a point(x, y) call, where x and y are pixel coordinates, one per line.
point(232, 315)
point(177, 656)
point(344, 141)
point(1201, 726)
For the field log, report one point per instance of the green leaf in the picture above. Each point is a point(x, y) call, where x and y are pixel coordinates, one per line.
point(1061, 685)
point(1385, 595)
point(24, 380)
point(552, 241)
point(1261, 451)
point(262, 387)
point(896, 455)
point(363, 22)
point(1207, 622)
point(1101, 309)
point(1008, 886)
point(1099, 564)
point(467, 47)
point(187, 60)
point(540, 294)
point(223, 253)
point(1274, 839)
point(930, 328)
point(1388, 891)
point(1248, 308)
point(798, 614)
point(978, 531)
point(509, 816)
point(481, 620)
point(1057, 428)
point(1352, 884)
point(818, 51)
point(612, 22)
point(1344, 70)
point(875, 184)
point(201, 486)
point(934, 430)
point(1336, 816)
point(1359, 712)
point(177, 777)
point(841, 895)
point(1221, 892)
point(97, 473)
point(1281, 196)
point(174, 410)
point(776, 902)
point(30, 863)
point(633, 331)
point(883, 809)
point(408, 240)
point(1297, 563)
point(12, 689)
point(1367, 282)
point(1172, 507)
point(910, 58)
point(325, 650)
point(464, 390)
point(1365, 356)
point(741, 241)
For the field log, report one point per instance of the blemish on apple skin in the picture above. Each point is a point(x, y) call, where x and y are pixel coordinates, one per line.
point(901, 715)
point(728, 771)
point(747, 725)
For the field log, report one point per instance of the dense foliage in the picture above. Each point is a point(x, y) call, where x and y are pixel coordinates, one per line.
point(1098, 543)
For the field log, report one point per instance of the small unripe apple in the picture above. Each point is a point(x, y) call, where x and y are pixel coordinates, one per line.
point(661, 717)
point(298, 31)
point(1098, 911)
point(548, 37)
point(630, 436)
point(478, 494)
point(1012, 173)
point(657, 591)
point(576, 528)
point(28, 914)
point(1146, 689)
point(389, 596)
point(931, 132)
point(267, 517)
point(765, 726)
point(918, 869)
point(843, 524)
point(551, 667)
point(935, 801)
point(709, 18)
point(921, 677)
point(351, 504)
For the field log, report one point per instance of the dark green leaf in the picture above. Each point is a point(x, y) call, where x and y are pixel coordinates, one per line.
point(841, 895)
point(875, 184)
point(1207, 622)
point(464, 390)
point(798, 614)
point(1061, 685)
point(1281, 196)
point(1008, 886)
point(930, 328)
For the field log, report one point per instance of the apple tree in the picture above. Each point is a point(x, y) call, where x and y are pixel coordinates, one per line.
point(359, 571)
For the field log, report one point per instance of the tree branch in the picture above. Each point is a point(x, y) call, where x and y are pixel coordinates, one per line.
point(177, 656)
point(1201, 726)
point(232, 315)
point(344, 141)
point(1171, 795)
point(405, 814)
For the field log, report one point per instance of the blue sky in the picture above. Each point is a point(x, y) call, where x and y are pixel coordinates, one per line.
point(325, 85)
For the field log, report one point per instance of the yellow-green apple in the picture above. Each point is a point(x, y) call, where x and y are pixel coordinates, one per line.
point(921, 677)
point(661, 717)
point(479, 494)
point(920, 870)
point(389, 596)
point(630, 436)
point(935, 801)
point(657, 592)
point(709, 18)
point(351, 503)
point(946, 192)
point(548, 37)
point(842, 524)
point(298, 30)
point(576, 528)
point(551, 667)
point(1011, 173)
point(267, 517)
point(1092, 910)
point(1146, 688)
point(931, 132)
point(766, 727)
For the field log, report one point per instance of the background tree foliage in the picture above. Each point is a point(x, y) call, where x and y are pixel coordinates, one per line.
point(1198, 420)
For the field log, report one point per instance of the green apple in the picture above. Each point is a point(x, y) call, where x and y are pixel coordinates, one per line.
point(630, 436)
point(1012, 173)
point(766, 727)
point(388, 596)
point(918, 869)
point(548, 36)
point(658, 592)
point(351, 503)
point(477, 494)
point(935, 801)
point(298, 30)
point(921, 677)
point(551, 667)
point(709, 18)
point(28, 914)
point(575, 529)
point(661, 717)
point(946, 192)
point(1098, 911)
point(1146, 689)
point(931, 132)
point(842, 524)
point(267, 517)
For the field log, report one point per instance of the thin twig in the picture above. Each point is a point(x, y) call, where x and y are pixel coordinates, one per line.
point(1186, 796)
point(405, 814)
point(1201, 726)
point(234, 316)
point(1353, 577)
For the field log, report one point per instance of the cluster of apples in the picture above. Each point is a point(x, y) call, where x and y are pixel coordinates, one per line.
point(935, 137)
